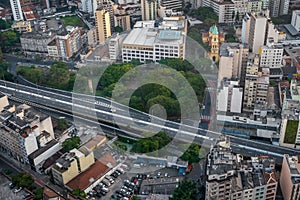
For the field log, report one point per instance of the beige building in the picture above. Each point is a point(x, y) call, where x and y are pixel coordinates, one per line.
point(290, 177)
point(123, 21)
point(271, 56)
point(71, 164)
point(22, 26)
point(103, 27)
point(149, 9)
point(233, 61)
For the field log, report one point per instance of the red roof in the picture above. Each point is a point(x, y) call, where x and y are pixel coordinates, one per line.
point(107, 160)
point(83, 180)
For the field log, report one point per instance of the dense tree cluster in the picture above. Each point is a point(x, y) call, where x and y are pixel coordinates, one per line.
point(151, 144)
point(58, 76)
point(185, 191)
point(9, 39)
point(193, 154)
point(71, 143)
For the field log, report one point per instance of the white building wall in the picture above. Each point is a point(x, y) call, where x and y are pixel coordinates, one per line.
point(236, 100)
point(296, 19)
point(16, 10)
point(30, 144)
point(222, 99)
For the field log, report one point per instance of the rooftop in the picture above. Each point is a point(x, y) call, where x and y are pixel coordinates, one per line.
point(86, 178)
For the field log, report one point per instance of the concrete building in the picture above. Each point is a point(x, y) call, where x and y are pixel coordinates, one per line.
point(122, 21)
point(92, 37)
point(115, 46)
point(224, 9)
point(149, 9)
point(296, 20)
point(245, 29)
point(229, 176)
point(16, 10)
point(230, 97)
point(36, 43)
point(257, 31)
point(240, 9)
point(256, 86)
point(233, 61)
point(87, 6)
point(148, 44)
point(71, 164)
point(103, 28)
point(278, 7)
point(271, 56)
point(22, 26)
point(274, 35)
point(290, 177)
point(254, 6)
point(174, 5)
point(24, 130)
point(68, 42)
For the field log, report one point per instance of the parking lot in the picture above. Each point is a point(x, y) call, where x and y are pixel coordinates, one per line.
point(7, 193)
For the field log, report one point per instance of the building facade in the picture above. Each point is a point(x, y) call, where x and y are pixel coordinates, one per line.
point(103, 28)
point(149, 9)
point(257, 31)
point(16, 10)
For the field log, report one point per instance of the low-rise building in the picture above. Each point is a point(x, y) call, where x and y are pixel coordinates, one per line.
point(22, 26)
point(231, 176)
point(151, 44)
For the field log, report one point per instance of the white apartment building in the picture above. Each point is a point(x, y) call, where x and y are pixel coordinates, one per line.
point(16, 10)
point(296, 20)
point(148, 44)
point(224, 9)
point(149, 9)
point(240, 8)
point(230, 97)
point(87, 6)
point(174, 5)
point(115, 46)
point(255, 6)
point(271, 56)
point(257, 31)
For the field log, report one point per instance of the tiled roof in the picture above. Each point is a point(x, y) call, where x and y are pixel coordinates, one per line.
point(85, 179)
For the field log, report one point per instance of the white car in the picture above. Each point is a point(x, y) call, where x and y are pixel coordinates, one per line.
point(18, 190)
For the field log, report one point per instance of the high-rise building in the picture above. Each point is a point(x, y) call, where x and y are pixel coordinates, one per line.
point(271, 56)
point(87, 6)
point(278, 7)
point(233, 61)
point(149, 9)
point(255, 6)
point(257, 31)
point(290, 177)
point(296, 20)
point(230, 176)
point(256, 86)
point(16, 10)
point(230, 97)
point(103, 27)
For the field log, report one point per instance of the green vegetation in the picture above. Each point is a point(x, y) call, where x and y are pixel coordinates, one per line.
point(73, 21)
point(273, 83)
point(79, 193)
point(9, 39)
point(7, 171)
point(23, 180)
point(151, 144)
point(4, 24)
point(185, 191)
point(71, 143)
point(193, 154)
point(230, 35)
point(206, 15)
point(58, 76)
point(125, 139)
point(291, 131)
point(62, 124)
point(118, 29)
point(38, 193)
point(121, 145)
point(4, 74)
point(284, 19)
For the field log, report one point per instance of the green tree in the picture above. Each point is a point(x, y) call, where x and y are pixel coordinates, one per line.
point(23, 180)
point(62, 124)
point(79, 193)
point(71, 143)
point(192, 154)
point(185, 191)
point(118, 29)
point(39, 193)
point(4, 24)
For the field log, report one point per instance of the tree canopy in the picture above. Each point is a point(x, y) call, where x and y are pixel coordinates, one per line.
point(71, 143)
point(23, 180)
point(186, 190)
point(193, 154)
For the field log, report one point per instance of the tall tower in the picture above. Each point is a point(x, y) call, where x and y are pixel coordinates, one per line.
point(214, 41)
point(16, 10)
point(103, 28)
point(149, 9)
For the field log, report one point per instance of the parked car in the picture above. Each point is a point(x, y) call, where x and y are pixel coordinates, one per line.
point(18, 190)
point(11, 185)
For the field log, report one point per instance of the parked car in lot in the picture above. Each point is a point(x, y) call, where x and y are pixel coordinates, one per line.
point(18, 190)
point(106, 182)
point(11, 185)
